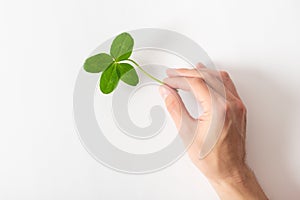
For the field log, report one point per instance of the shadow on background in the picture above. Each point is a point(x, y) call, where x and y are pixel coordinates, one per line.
point(270, 112)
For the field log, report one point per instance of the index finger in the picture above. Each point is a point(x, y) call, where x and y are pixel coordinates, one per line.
point(197, 86)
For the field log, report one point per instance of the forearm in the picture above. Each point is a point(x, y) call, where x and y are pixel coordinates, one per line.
point(243, 186)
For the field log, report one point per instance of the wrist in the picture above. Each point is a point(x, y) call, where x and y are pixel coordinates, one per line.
point(242, 184)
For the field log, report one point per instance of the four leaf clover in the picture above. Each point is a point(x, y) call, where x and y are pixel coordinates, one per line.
point(114, 66)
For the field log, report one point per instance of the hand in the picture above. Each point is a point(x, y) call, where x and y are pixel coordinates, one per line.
point(224, 165)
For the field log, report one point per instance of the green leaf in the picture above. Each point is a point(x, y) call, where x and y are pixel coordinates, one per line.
point(128, 74)
point(109, 79)
point(97, 63)
point(121, 47)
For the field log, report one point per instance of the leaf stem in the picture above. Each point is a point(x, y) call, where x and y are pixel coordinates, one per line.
point(146, 73)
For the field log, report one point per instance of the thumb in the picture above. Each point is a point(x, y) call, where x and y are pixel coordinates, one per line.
point(175, 106)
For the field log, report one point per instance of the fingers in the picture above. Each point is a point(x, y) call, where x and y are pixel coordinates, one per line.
point(225, 78)
point(201, 72)
point(210, 76)
point(219, 81)
point(196, 74)
point(197, 86)
point(184, 72)
point(175, 107)
point(229, 83)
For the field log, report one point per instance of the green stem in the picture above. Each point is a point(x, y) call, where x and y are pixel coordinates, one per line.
point(149, 75)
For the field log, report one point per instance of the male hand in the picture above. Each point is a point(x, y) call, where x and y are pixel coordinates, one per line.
point(225, 165)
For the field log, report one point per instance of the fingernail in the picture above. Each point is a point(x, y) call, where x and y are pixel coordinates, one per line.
point(164, 92)
point(200, 66)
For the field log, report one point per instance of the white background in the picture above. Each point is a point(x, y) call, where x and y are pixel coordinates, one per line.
point(44, 43)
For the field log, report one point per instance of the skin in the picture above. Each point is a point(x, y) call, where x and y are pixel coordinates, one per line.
point(225, 165)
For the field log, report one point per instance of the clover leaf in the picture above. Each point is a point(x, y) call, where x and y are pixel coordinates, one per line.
point(128, 74)
point(121, 47)
point(98, 63)
point(109, 79)
point(116, 66)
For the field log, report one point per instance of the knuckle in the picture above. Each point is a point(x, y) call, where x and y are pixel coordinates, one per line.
point(227, 106)
point(240, 106)
point(224, 74)
point(196, 81)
